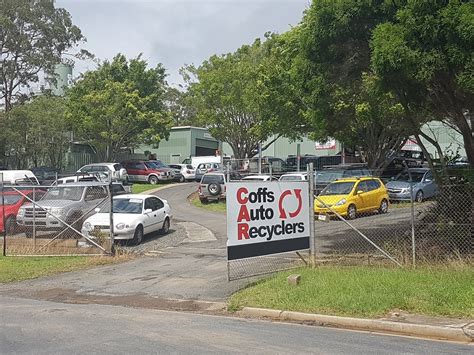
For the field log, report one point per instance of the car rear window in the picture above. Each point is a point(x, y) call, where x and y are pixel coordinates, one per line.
point(208, 179)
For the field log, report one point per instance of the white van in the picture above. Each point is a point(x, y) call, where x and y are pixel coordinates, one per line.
point(195, 161)
point(19, 177)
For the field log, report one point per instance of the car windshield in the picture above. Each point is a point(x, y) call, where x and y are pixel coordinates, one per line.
point(291, 178)
point(415, 176)
point(338, 188)
point(125, 205)
point(328, 175)
point(64, 192)
point(159, 164)
point(11, 199)
point(208, 179)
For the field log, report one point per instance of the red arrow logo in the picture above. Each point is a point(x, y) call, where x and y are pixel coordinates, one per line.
point(280, 203)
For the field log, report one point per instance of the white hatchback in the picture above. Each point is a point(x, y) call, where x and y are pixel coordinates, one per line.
point(134, 216)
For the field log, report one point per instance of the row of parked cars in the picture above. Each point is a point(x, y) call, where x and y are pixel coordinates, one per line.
point(84, 206)
point(346, 189)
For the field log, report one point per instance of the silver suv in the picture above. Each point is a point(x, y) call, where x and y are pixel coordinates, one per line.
point(69, 203)
point(212, 186)
point(104, 170)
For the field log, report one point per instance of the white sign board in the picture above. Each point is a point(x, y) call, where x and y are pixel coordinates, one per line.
point(266, 218)
point(330, 144)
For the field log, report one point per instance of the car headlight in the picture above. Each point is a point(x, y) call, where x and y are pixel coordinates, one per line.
point(405, 190)
point(56, 211)
point(87, 226)
point(21, 212)
point(341, 202)
point(120, 226)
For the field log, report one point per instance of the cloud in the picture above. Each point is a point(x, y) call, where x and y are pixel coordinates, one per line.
point(177, 32)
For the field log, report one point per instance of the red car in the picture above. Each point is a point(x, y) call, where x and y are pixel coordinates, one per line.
point(147, 171)
point(12, 203)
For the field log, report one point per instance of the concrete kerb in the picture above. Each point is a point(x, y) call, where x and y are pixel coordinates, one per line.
point(420, 330)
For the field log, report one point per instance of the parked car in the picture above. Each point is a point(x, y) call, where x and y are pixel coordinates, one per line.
point(195, 161)
point(186, 170)
point(349, 196)
point(294, 177)
point(205, 168)
point(70, 203)
point(12, 201)
point(147, 171)
point(212, 186)
point(80, 177)
point(259, 178)
point(319, 162)
point(134, 215)
point(422, 181)
point(397, 165)
point(19, 177)
point(115, 170)
point(325, 176)
point(176, 173)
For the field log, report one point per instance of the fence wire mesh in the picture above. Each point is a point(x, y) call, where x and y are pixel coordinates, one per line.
point(427, 222)
point(49, 220)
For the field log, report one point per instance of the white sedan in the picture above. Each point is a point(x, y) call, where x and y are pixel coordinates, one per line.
point(134, 216)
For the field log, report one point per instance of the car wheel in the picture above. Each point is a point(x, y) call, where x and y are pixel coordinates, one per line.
point(166, 226)
point(419, 196)
point(153, 180)
point(351, 212)
point(383, 206)
point(137, 236)
point(182, 179)
point(214, 189)
point(10, 225)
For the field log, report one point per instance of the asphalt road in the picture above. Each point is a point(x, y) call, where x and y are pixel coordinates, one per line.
point(39, 327)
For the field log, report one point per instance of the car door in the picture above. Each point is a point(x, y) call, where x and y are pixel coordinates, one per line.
point(362, 197)
point(154, 219)
point(374, 193)
point(429, 186)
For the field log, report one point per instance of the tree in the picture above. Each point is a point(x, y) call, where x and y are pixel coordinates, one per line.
point(119, 106)
point(224, 94)
point(33, 36)
point(425, 55)
point(318, 81)
point(36, 132)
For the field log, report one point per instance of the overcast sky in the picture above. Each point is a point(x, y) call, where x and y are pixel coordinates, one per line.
point(177, 32)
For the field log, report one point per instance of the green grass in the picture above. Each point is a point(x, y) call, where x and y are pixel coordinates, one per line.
point(210, 206)
point(366, 291)
point(23, 268)
point(138, 188)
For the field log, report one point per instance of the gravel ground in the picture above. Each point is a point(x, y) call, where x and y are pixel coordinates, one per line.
point(158, 241)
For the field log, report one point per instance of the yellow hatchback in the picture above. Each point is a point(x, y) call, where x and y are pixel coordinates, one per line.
point(350, 196)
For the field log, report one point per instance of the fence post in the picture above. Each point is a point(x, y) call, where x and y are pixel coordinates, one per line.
point(312, 234)
point(259, 158)
point(298, 157)
point(3, 218)
point(34, 224)
point(228, 172)
point(412, 203)
point(111, 218)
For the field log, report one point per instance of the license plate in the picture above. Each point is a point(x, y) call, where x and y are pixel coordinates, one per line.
point(323, 217)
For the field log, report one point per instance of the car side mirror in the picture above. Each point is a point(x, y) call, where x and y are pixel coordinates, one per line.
point(148, 210)
point(97, 210)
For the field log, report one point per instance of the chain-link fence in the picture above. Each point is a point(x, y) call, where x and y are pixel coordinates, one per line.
point(49, 220)
point(407, 219)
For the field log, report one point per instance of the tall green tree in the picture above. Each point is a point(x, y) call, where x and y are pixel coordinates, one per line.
point(318, 81)
point(119, 105)
point(36, 132)
point(425, 54)
point(223, 91)
point(34, 34)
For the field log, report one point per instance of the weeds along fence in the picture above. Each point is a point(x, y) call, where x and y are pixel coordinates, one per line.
point(49, 220)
